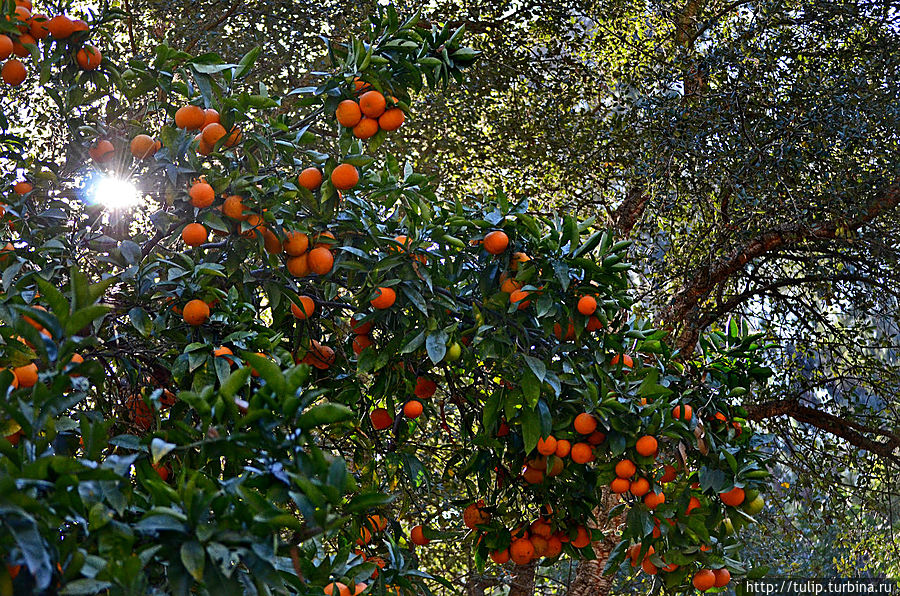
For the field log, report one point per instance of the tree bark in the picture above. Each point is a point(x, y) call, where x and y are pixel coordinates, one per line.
point(589, 578)
point(522, 582)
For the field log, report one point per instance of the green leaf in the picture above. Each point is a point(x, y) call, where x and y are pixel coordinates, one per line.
point(436, 345)
point(268, 370)
point(322, 414)
point(141, 320)
point(246, 62)
point(193, 557)
point(235, 382)
point(531, 428)
point(159, 449)
point(85, 586)
point(537, 367)
point(83, 317)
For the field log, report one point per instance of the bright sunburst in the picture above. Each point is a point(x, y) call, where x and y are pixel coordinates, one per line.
point(114, 193)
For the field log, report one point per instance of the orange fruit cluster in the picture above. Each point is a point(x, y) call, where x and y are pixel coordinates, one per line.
point(33, 28)
point(369, 114)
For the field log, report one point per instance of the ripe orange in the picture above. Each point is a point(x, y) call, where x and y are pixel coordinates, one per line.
point(519, 297)
point(693, 503)
point(587, 305)
point(582, 453)
point(360, 343)
point(366, 128)
point(360, 328)
point(627, 361)
point(298, 266)
point(23, 188)
point(6, 47)
point(271, 242)
point(392, 119)
point(620, 485)
point(26, 376)
point(212, 132)
point(61, 27)
point(320, 260)
point(540, 527)
point(540, 546)
point(649, 567)
point(325, 240)
point(510, 285)
point(723, 576)
point(190, 117)
point(596, 437)
point(19, 48)
point(377, 523)
point(80, 25)
point(13, 72)
point(521, 551)
point(143, 146)
point(554, 547)
point(646, 446)
point(417, 536)
point(412, 408)
point(668, 474)
point(585, 424)
point(733, 497)
point(224, 352)
point(704, 580)
point(533, 475)
point(640, 487)
point(348, 113)
point(196, 312)
point(102, 151)
point(233, 207)
point(500, 556)
point(209, 116)
point(582, 538)
point(593, 324)
point(654, 500)
point(138, 411)
point(194, 234)
point(546, 446)
point(234, 137)
point(384, 298)
point(202, 195)
point(381, 419)
point(496, 242)
point(372, 104)
point(337, 589)
point(516, 259)
point(563, 448)
point(475, 515)
point(38, 26)
point(345, 176)
point(310, 178)
point(296, 243)
point(625, 469)
point(322, 357)
point(425, 387)
point(203, 148)
point(89, 57)
point(305, 310)
point(682, 413)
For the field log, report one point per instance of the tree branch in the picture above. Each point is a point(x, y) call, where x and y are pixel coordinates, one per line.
point(704, 280)
point(852, 432)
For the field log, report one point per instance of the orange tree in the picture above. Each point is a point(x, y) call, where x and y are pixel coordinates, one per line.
point(185, 412)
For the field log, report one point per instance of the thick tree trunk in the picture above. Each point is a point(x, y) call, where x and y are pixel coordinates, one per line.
point(522, 582)
point(589, 578)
